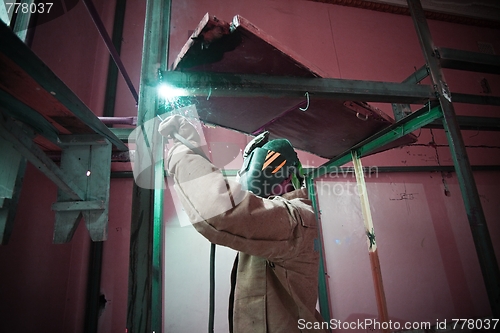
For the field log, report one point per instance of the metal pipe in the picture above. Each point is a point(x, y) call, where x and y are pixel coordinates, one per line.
point(474, 210)
point(96, 248)
point(119, 120)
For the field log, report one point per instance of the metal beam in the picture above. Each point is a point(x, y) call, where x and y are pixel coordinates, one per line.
point(472, 123)
point(323, 289)
point(145, 272)
point(21, 54)
point(399, 129)
point(240, 85)
point(475, 99)
point(466, 60)
point(475, 214)
point(418, 75)
point(20, 111)
point(402, 110)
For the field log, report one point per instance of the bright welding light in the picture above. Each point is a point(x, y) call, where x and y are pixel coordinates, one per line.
point(169, 92)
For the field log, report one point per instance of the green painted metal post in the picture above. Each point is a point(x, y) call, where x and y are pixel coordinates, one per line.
point(407, 125)
point(474, 210)
point(323, 293)
point(145, 278)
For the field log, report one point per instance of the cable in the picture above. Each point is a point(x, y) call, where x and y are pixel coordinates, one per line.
point(211, 312)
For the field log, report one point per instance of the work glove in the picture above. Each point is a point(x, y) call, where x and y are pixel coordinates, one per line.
point(182, 126)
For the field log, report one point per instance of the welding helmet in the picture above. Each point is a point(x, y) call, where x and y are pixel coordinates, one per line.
point(268, 165)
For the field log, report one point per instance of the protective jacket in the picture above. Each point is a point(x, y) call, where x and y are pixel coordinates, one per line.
point(277, 266)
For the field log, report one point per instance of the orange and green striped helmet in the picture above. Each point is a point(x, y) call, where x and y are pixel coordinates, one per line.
point(268, 164)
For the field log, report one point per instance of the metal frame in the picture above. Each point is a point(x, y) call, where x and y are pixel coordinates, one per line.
point(145, 274)
point(83, 182)
point(475, 214)
point(407, 92)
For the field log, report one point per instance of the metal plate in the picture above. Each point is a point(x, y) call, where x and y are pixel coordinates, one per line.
point(326, 128)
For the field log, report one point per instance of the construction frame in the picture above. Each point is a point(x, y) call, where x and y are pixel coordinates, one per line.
point(145, 271)
point(439, 111)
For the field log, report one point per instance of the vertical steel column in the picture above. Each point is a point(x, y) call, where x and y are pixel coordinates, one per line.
point(323, 293)
point(97, 248)
point(475, 214)
point(145, 278)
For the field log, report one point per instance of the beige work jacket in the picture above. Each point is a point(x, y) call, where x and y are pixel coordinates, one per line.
point(277, 274)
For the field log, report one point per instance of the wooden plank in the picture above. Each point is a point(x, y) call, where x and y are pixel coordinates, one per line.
point(371, 241)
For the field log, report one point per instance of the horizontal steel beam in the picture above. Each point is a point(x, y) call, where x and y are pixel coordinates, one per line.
point(475, 99)
point(243, 85)
point(472, 123)
point(468, 61)
point(341, 172)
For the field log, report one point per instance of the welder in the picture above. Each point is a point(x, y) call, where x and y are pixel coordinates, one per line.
point(266, 216)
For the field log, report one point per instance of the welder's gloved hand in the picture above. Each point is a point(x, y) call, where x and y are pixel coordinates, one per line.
point(182, 126)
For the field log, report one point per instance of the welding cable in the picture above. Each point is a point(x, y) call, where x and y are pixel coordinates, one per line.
point(211, 313)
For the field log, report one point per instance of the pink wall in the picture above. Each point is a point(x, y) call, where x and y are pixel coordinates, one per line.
point(428, 261)
point(43, 286)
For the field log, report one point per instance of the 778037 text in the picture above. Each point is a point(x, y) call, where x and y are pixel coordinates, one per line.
point(25, 8)
point(474, 324)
